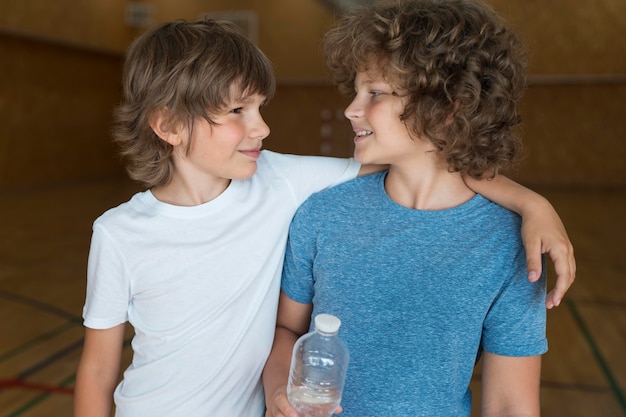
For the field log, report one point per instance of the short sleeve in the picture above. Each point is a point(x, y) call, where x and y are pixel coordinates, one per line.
point(297, 279)
point(310, 174)
point(516, 323)
point(108, 285)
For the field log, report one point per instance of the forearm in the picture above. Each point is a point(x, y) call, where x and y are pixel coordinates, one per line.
point(98, 372)
point(507, 193)
point(510, 386)
point(276, 371)
point(92, 397)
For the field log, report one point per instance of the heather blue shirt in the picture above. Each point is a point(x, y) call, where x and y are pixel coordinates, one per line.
point(419, 293)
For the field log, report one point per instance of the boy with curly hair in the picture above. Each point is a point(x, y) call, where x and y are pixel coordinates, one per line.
point(426, 275)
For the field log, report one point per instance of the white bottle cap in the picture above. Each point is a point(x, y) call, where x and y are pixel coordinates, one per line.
point(327, 324)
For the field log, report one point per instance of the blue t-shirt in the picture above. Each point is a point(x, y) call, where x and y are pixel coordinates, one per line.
point(419, 294)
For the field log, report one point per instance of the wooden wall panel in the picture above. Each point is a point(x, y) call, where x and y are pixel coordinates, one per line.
point(574, 135)
point(55, 113)
point(290, 31)
point(574, 112)
point(308, 120)
point(94, 24)
point(291, 35)
point(570, 36)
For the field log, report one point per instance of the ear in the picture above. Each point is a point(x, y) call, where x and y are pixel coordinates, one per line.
point(163, 126)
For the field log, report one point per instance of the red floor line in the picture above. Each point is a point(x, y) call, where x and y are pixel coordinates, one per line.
point(18, 383)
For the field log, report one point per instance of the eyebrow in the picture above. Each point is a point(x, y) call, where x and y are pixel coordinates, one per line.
point(247, 99)
point(367, 83)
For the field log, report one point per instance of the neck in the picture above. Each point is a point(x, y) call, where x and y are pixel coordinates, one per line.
point(185, 192)
point(426, 189)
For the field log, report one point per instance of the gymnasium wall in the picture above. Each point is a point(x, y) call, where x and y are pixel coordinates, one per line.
point(60, 68)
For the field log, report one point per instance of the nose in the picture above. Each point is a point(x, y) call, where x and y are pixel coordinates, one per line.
point(261, 129)
point(353, 110)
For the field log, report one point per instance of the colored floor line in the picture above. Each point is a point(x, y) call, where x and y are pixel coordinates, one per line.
point(28, 405)
point(21, 384)
point(40, 398)
point(50, 359)
point(36, 341)
point(40, 306)
point(598, 356)
point(47, 390)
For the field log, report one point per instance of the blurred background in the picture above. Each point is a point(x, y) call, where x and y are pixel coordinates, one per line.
point(60, 76)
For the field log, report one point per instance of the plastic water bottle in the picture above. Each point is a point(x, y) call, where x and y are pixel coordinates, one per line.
point(318, 369)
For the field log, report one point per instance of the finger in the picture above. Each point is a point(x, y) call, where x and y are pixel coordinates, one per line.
point(279, 413)
point(280, 407)
point(572, 262)
point(533, 260)
point(565, 268)
point(554, 297)
point(286, 410)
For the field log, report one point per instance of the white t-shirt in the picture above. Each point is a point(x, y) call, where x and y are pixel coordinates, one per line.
point(200, 286)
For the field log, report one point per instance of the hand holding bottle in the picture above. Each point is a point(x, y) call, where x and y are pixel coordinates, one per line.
point(279, 405)
point(318, 370)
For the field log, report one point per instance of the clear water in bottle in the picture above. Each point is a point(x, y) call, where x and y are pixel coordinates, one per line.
point(318, 368)
point(317, 405)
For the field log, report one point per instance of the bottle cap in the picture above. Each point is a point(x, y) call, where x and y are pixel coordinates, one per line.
point(327, 323)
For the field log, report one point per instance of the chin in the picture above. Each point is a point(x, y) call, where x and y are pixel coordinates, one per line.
point(244, 174)
point(362, 158)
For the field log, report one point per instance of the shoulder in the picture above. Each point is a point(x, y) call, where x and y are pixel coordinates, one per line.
point(301, 176)
point(270, 158)
point(496, 228)
point(349, 188)
point(347, 196)
point(137, 204)
point(503, 217)
point(492, 212)
point(292, 165)
point(282, 160)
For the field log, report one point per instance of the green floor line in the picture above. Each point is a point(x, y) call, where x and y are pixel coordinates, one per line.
point(599, 358)
point(29, 405)
point(37, 400)
point(49, 335)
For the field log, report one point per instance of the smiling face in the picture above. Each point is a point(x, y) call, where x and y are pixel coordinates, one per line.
point(228, 148)
point(380, 135)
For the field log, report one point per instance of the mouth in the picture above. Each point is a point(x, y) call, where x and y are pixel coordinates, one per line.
point(252, 153)
point(361, 133)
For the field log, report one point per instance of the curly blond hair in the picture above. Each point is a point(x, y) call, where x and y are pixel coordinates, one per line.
point(189, 69)
point(460, 68)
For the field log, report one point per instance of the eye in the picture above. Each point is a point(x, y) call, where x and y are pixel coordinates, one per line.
point(237, 110)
